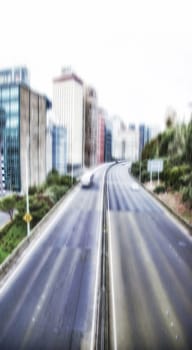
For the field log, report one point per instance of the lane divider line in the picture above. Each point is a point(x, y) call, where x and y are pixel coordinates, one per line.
point(112, 277)
point(92, 346)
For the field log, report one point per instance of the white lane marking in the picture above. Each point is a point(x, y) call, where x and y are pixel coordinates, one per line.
point(158, 289)
point(37, 241)
point(25, 293)
point(183, 230)
point(92, 346)
point(111, 274)
point(46, 291)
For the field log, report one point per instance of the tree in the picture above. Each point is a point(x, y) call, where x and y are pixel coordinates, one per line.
point(170, 118)
point(8, 204)
point(150, 150)
point(189, 142)
point(177, 145)
point(166, 137)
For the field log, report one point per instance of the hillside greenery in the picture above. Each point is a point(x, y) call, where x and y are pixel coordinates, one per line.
point(174, 146)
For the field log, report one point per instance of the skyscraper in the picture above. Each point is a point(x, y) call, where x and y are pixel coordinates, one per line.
point(90, 126)
point(108, 140)
point(22, 130)
point(59, 149)
point(68, 108)
point(101, 136)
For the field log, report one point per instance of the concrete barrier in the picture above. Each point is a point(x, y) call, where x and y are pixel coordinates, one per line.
point(12, 259)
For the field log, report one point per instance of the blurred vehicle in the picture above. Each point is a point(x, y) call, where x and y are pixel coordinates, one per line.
point(87, 179)
point(134, 186)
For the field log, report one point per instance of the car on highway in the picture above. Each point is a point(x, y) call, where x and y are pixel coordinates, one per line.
point(134, 186)
point(87, 179)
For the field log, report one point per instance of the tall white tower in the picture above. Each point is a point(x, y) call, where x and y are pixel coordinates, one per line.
point(68, 109)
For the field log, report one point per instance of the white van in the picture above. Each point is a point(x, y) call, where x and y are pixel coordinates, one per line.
point(87, 179)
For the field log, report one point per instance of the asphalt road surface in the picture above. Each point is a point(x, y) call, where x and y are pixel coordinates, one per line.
point(50, 301)
point(150, 262)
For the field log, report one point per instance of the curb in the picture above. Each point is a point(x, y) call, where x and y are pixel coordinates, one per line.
point(12, 259)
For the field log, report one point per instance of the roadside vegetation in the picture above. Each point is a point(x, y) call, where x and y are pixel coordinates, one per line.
point(174, 146)
point(41, 200)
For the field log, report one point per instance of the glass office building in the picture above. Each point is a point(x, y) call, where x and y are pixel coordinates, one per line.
point(23, 120)
point(10, 135)
point(59, 149)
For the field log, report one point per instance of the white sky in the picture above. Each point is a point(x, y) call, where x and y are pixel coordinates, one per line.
point(136, 53)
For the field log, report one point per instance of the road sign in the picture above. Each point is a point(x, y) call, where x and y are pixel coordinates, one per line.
point(27, 217)
point(155, 165)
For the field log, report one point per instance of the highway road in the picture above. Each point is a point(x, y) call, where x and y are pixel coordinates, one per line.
point(50, 300)
point(150, 268)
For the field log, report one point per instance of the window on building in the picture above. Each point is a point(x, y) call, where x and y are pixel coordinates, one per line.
point(14, 92)
point(14, 107)
point(5, 93)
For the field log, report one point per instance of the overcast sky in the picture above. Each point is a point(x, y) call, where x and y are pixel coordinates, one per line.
point(136, 53)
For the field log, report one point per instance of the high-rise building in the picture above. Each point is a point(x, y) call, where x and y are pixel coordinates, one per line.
point(59, 149)
point(143, 136)
point(90, 127)
point(130, 139)
point(22, 130)
point(49, 148)
point(68, 108)
point(108, 141)
point(101, 136)
point(117, 128)
point(146, 133)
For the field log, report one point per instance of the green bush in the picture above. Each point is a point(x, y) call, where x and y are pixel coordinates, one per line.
point(53, 178)
point(135, 169)
point(187, 195)
point(3, 255)
point(36, 189)
point(186, 179)
point(11, 239)
point(41, 199)
point(176, 174)
point(56, 192)
point(65, 180)
point(159, 189)
point(32, 190)
point(39, 205)
point(145, 176)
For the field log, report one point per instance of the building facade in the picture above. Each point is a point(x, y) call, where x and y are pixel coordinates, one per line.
point(23, 132)
point(68, 107)
point(143, 137)
point(101, 136)
point(108, 141)
point(90, 127)
point(118, 127)
point(59, 149)
point(130, 144)
point(49, 148)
